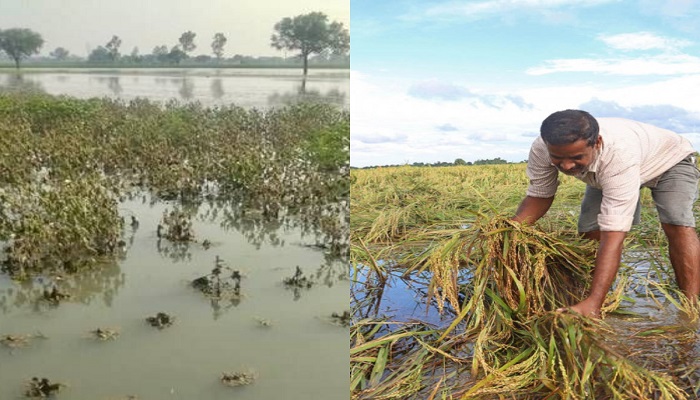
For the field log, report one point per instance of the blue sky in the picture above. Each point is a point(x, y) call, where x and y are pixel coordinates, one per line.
point(440, 80)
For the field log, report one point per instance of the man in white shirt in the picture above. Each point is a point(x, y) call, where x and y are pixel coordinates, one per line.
point(615, 157)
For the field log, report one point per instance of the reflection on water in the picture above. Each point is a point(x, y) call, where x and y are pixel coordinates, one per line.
point(217, 88)
point(114, 86)
point(18, 82)
point(101, 283)
point(259, 88)
point(401, 298)
point(303, 95)
point(210, 335)
point(175, 251)
point(186, 89)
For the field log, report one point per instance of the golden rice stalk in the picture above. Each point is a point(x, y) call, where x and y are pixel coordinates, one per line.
point(517, 275)
point(674, 296)
point(518, 271)
point(566, 356)
point(533, 271)
point(389, 225)
point(444, 261)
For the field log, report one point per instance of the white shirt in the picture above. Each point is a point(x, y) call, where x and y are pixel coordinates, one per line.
point(633, 154)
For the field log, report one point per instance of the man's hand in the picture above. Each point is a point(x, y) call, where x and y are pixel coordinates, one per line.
point(606, 265)
point(587, 308)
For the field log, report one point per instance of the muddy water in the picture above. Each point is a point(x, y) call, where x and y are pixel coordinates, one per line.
point(300, 356)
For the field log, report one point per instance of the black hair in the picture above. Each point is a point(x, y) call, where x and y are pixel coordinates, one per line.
point(568, 126)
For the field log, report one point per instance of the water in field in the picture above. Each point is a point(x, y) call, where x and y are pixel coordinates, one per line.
point(285, 338)
point(245, 87)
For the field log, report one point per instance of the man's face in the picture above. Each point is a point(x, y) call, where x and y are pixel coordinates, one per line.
point(573, 158)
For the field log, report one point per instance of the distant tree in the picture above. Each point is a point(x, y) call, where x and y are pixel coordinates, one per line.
point(161, 53)
point(497, 160)
point(460, 161)
point(176, 55)
point(217, 46)
point(113, 47)
point(100, 54)
point(203, 58)
point(20, 43)
point(135, 56)
point(187, 42)
point(60, 53)
point(310, 34)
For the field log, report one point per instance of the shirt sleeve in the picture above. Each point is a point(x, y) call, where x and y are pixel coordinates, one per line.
point(620, 197)
point(542, 174)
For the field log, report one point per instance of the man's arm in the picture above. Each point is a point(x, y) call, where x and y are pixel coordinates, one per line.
point(606, 265)
point(533, 208)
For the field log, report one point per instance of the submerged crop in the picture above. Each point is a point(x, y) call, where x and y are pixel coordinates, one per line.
point(67, 163)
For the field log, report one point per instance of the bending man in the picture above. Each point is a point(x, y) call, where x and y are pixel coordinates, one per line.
point(615, 157)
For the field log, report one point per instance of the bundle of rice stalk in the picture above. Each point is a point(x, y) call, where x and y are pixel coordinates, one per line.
point(516, 268)
point(557, 355)
point(530, 270)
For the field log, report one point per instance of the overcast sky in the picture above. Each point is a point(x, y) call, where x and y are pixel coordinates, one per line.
point(440, 80)
point(79, 25)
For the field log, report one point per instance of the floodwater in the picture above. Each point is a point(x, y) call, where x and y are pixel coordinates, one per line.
point(245, 87)
point(300, 355)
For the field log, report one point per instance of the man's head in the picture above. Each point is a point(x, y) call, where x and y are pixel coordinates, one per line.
point(572, 140)
point(568, 126)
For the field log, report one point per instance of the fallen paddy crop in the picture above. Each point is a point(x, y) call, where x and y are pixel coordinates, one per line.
point(497, 285)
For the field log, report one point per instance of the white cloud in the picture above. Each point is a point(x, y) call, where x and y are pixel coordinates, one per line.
point(389, 126)
point(474, 10)
point(436, 89)
point(407, 129)
point(657, 65)
point(670, 62)
point(643, 41)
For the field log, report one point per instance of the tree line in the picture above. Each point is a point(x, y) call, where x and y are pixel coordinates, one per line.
point(307, 34)
point(459, 161)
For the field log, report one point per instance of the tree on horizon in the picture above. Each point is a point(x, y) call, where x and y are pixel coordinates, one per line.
point(60, 53)
point(217, 46)
point(20, 43)
point(310, 34)
point(187, 42)
point(113, 47)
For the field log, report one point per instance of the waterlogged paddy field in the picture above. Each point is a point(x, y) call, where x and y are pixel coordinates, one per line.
point(408, 340)
point(184, 361)
point(172, 251)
